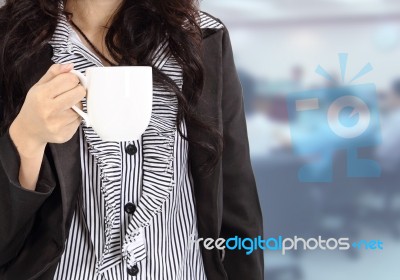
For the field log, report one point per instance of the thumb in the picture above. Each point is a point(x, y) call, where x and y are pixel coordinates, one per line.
point(55, 70)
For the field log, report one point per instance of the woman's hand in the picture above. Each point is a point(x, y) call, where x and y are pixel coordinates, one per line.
point(46, 117)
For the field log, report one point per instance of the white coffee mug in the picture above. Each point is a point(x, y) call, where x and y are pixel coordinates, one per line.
point(119, 101)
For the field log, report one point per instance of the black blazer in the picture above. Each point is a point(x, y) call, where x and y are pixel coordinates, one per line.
point(34, 225)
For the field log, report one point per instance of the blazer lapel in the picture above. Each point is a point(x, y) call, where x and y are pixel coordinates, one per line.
point(66, 159)
point(208, 187)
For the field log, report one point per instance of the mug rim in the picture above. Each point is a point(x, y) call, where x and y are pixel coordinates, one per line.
point(119, 67)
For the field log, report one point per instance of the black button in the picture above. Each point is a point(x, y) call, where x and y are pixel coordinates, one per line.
point(130, 208)
point(131, 149)
point(134, 270)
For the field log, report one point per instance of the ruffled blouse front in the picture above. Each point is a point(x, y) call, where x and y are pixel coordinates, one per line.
point(104, 172)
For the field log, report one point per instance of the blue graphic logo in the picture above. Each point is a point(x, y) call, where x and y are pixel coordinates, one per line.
point(368, 245)
point(324, 121)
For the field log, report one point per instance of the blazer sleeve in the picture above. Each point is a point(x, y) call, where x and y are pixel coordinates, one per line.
point(18, 206)
point(241, 208)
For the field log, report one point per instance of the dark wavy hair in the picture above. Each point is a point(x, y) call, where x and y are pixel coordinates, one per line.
point(137, 30)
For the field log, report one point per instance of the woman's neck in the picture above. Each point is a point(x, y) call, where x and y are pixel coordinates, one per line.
point(92, 15)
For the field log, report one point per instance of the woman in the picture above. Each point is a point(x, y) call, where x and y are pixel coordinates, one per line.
point(75, 207)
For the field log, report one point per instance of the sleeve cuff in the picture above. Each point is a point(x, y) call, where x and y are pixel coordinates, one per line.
point(10, 161)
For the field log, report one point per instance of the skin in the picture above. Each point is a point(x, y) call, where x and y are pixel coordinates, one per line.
point(46, 115)
point(94, 17)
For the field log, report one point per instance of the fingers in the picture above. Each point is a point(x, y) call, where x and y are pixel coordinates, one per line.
point(55, 70)
point(69, 98)
point(79, 105)
point(67, 132)
point(72, 127)
point(68, 116)
point(61, 84)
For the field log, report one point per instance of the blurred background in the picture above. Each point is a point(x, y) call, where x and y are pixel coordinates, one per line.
point(306, 175)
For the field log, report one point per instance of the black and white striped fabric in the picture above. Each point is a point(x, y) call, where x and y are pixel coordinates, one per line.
point(150, 174)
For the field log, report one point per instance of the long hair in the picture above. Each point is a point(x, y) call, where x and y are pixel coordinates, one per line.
point(138, 28)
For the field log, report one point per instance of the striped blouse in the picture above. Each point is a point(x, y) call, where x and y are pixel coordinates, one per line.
point(136, 215)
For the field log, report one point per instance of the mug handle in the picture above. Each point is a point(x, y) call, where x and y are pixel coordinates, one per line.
point(83, 80)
